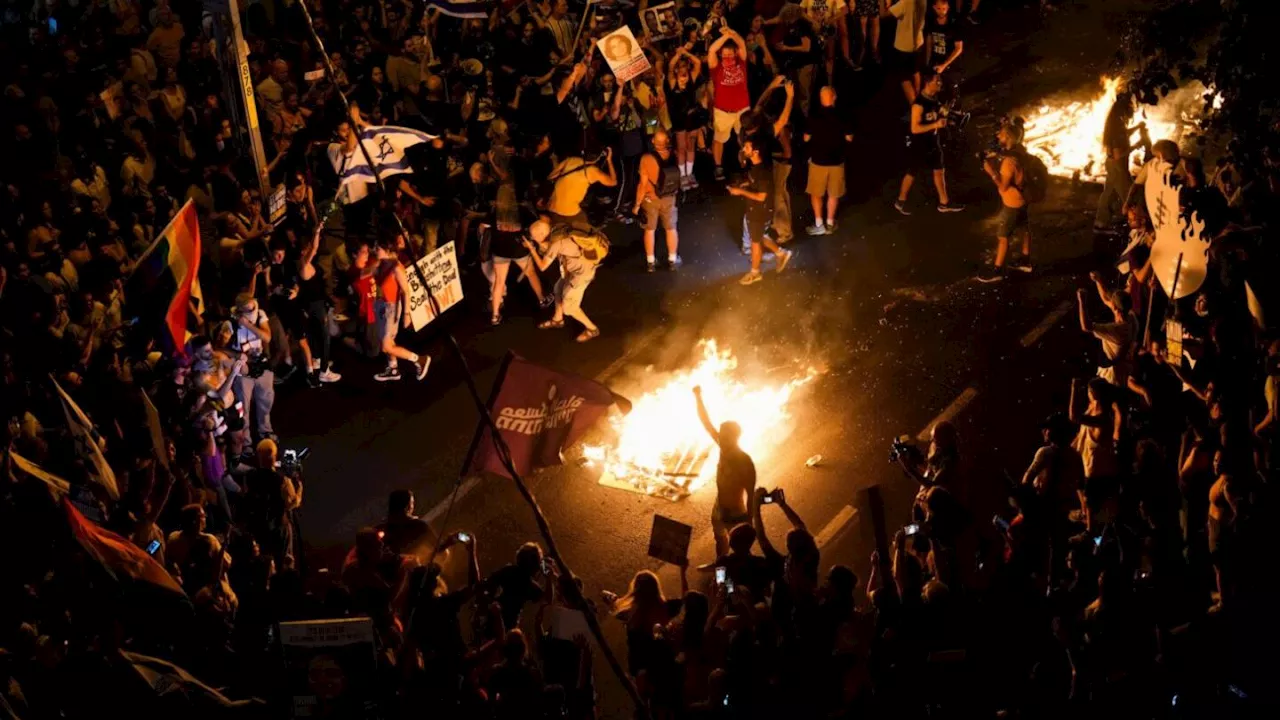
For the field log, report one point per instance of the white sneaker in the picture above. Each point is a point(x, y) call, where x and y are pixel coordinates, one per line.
point(751, 278)
point(329, 376)
point(816, 229)
point(784, 258)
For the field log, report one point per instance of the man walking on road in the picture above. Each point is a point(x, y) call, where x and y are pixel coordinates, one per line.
point(657, 195)
point(924, 147)
point(735, 477)
point(1006, 171)
point(828, 136)
point(757, 192)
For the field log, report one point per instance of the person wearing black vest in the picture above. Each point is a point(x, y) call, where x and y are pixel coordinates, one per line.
point(656, 195)
point(924, 146)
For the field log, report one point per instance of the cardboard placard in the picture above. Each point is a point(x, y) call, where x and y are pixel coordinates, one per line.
point(331, 667)
point(660, 22)
point(567, 623)
point(440, 268)
point(276, 205)
point(625, 56)
point(669, 540)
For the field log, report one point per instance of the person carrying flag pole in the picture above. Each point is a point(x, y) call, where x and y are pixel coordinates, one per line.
point(642, 710)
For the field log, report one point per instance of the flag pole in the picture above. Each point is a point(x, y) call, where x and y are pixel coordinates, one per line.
point(574, 594)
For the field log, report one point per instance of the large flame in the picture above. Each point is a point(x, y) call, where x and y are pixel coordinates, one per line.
point(1068, 136)
point(661, 447)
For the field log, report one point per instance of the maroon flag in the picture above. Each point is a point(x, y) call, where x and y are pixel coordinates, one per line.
point(539, 412)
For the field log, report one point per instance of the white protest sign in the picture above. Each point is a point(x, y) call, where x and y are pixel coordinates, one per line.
point(1181, 251)
point(625, 57)
point(440, 268)
point(660, 21)
point(331, 667)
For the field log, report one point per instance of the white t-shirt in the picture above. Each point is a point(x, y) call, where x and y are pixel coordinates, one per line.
point(246, 340)
point(909, 36)
point(824, 12)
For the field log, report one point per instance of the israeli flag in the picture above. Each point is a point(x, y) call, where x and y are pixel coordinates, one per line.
point(386, 145)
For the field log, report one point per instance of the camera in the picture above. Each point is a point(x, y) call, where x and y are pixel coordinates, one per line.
point(911, 529)
point(772, 497)
point(903, 450)
point(291, 461)
point(956, 118)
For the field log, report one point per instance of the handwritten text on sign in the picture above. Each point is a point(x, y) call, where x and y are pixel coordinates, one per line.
point(440, 268)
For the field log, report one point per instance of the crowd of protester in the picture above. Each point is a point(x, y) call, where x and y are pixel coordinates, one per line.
point(1126, 573)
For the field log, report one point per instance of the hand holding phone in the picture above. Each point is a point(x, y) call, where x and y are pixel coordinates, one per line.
point(911, 529)
point(721, 575)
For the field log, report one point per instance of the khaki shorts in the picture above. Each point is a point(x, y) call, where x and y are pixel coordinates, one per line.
point(726, 123)
point(569, 291)
point(825, 180)
point(661, 209)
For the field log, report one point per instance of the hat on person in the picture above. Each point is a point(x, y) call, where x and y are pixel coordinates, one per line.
point(472, 67)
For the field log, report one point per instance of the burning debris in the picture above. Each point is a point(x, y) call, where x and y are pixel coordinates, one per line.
point(1068, 136)
point(661, 448)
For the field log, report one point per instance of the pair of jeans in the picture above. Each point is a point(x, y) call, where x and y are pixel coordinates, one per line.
point(781, 222)
point(257, 395)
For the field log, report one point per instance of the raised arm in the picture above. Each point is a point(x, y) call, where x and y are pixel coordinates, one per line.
point(785, 116)
point(704, 416)
point(1085, 323)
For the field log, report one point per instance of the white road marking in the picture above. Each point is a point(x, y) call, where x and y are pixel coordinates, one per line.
point(838, 523)
point(625, 357)
point(950, 413)
point(1047, 323)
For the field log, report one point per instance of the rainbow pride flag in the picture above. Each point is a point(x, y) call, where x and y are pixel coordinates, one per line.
point(164, 288)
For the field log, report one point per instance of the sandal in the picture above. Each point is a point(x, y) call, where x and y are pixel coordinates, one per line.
point(550, 324)
point(589, 334)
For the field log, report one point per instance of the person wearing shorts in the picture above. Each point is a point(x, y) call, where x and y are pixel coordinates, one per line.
point(924, 149)
point(1006, 171)
point(576, 273)
point(828, 136)
point(908, 44)
point(657, 196)
point(728, 66)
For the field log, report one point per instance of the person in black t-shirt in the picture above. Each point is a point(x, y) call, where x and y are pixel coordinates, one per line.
point(798, 52)
point(757, 191)
point(943, 38)
point(828, 136)
point(924, 147)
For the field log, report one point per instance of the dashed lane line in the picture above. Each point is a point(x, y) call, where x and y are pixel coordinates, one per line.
point(1053, 318)
point(949, 413)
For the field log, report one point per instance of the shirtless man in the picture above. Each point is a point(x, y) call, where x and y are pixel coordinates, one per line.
point(1006, 171)
point(735, 478)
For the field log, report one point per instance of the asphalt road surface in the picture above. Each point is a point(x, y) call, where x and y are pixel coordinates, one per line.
point(886, 308)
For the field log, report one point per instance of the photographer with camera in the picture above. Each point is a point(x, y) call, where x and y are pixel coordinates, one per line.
point(255, 389)
point(1004, 166)
point(266, 509)
point(924, 145)
point(939, 468)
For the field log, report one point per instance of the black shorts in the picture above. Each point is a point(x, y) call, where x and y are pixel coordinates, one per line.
point(756, 226)
point(925, 155)
point(1010, 220)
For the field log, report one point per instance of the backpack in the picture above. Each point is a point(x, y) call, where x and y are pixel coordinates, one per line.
point(593, 244)
point(1035, 176)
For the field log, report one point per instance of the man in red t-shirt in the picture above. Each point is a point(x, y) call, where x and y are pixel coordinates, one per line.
point(728, 64)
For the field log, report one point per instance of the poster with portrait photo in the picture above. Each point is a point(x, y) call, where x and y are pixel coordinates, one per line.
point(623, 53)
point(660, 22)
point(331, 667)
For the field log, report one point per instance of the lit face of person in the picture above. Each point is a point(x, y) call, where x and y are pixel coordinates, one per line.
point(1005, 138)
point(941, 8)
point(728, 54)
point(934, 85)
